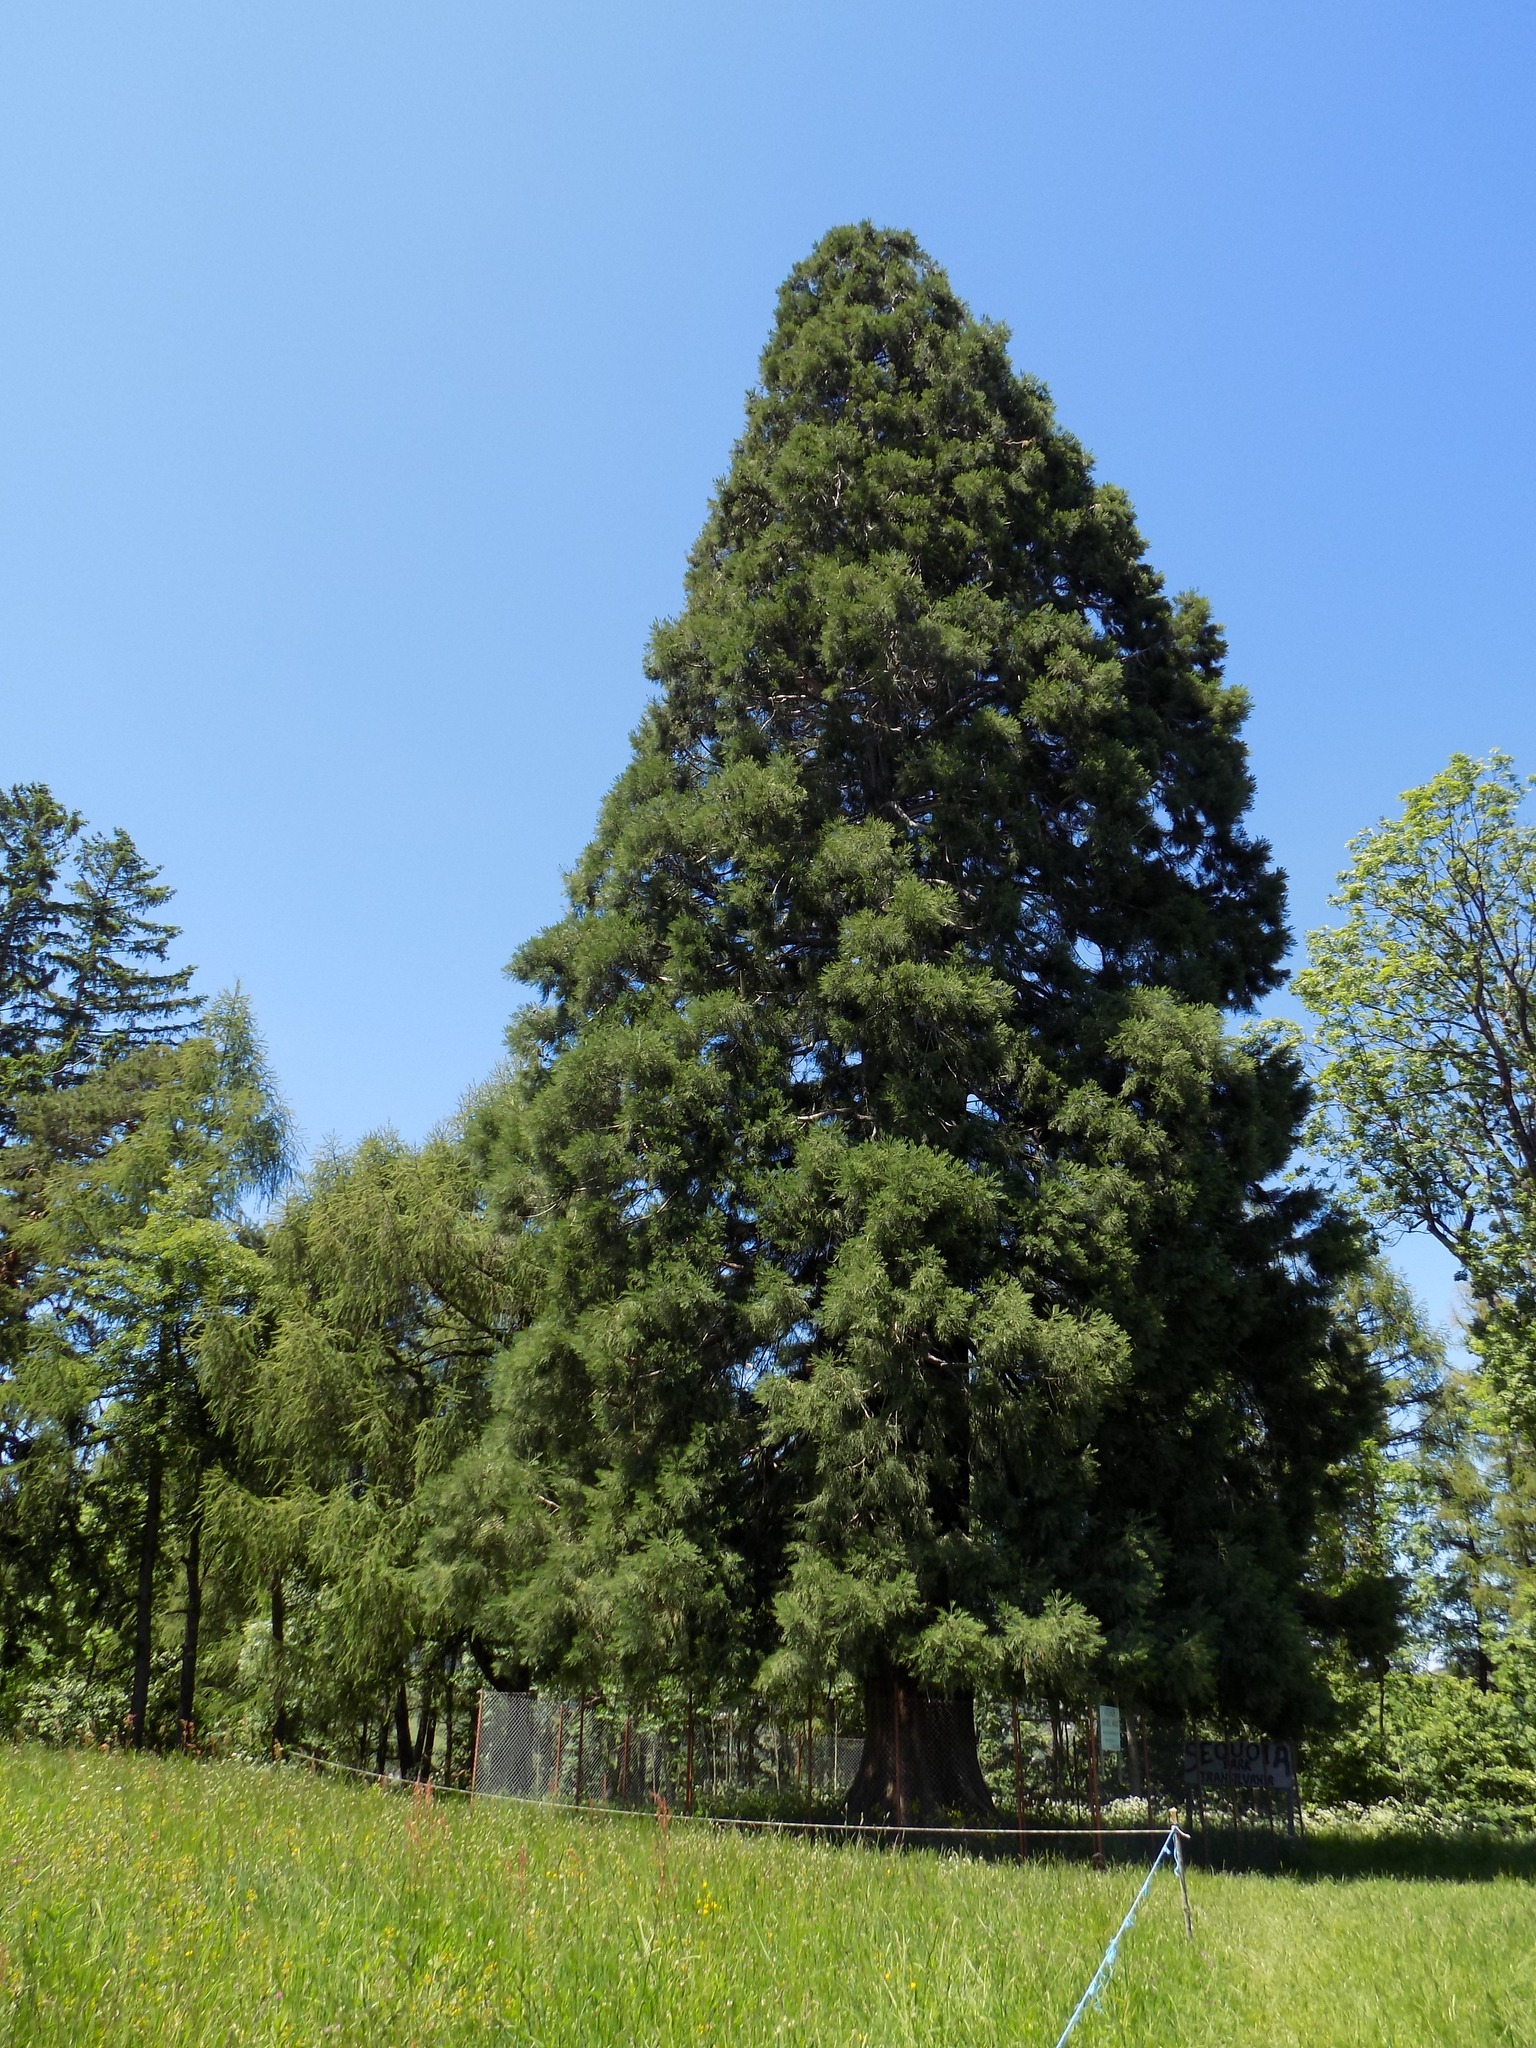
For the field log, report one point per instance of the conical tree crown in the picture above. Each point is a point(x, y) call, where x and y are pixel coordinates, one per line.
point(911, 588)
point(868, 1072)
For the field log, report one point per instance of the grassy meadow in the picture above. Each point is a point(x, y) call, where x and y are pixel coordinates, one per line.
point(166, 1901)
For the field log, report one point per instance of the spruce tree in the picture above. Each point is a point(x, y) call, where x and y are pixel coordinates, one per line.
point(87, 1002)
point(83, 952)
point(899, 1202)
point(114, 993)
point(36, 834)
point(84, 982)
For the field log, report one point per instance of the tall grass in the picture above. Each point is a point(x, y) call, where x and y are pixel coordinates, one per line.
point(171, 1902)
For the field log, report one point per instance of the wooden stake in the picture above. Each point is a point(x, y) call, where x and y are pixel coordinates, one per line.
point(1178, 1864)
point(474, 1761)
point(1093, 1788)
point(810, 1758)
point(900, 1789)
point(1018, 1781)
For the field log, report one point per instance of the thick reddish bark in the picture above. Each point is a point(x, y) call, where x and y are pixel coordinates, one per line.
point(919, 1767)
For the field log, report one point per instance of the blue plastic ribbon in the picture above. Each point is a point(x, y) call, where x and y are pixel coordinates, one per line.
point(1101, 1974)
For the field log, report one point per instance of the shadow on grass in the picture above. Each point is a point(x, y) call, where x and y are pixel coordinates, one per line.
point(1333, 1852)
point(1330, 1854)
point(1471, 1856)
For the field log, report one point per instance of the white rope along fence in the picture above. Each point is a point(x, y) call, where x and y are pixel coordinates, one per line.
point(868, 1830)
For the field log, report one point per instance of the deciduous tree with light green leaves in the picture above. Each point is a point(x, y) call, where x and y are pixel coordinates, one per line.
point(909, 1247)
point(1426, 1004)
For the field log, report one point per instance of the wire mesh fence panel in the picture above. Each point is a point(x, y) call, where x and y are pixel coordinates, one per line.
point(844, 1755)
point(511, 1745)
point(587, 1752)
point(591, 1752)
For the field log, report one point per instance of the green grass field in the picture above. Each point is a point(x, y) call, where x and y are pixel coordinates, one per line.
point(175, 1902)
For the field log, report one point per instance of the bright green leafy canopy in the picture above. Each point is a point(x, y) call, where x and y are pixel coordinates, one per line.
point(1426, 1001)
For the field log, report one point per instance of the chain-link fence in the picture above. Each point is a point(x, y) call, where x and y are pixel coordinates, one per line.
point(1080, 1771)
point(583, 1752)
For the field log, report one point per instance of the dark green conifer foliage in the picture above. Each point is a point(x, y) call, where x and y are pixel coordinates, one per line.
point(83, 982)
point(88, 1003)
point(136, 1236)
point(114, 993)
point(892, 1180)
point(83, 973)
point(35, 836)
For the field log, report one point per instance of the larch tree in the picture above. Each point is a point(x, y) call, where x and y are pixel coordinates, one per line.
point(142, 1245)
point(910, 1255)
point(346, 1396)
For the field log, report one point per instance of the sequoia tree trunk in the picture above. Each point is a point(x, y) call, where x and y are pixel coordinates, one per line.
point(919, 1767)
point(144, 1606)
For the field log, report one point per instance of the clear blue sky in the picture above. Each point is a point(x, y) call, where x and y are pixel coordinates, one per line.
point(366, 369)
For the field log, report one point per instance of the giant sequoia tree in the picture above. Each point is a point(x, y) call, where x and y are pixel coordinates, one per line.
point(903, 1211)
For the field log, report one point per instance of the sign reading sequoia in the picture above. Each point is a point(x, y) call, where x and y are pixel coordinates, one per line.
point(1253, 1766)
